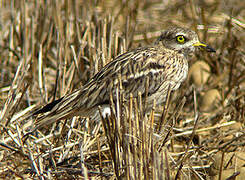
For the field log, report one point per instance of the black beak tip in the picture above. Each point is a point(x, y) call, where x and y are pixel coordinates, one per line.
point(210, 49)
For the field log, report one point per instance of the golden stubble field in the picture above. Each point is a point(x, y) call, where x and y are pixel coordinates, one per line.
point(50, 48)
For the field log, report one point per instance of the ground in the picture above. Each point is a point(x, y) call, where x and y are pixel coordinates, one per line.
point(49, 48)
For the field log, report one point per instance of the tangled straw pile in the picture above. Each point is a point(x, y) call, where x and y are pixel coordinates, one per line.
point(50, 48)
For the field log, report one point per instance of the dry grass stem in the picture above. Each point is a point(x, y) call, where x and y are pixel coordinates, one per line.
point(50, 48)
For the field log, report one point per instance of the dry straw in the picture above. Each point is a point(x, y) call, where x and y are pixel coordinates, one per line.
point(49, 48)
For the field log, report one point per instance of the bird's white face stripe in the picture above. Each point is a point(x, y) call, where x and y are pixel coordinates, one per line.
point(180, 34)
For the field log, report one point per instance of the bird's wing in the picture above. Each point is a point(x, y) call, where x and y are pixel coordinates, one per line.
point(133, 68)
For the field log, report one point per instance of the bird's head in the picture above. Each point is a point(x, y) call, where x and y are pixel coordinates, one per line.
point(182, 40)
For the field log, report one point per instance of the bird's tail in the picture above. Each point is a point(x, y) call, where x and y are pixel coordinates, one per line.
point(62, 108)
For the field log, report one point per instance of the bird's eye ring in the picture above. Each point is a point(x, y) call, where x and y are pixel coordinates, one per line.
point(180, 39)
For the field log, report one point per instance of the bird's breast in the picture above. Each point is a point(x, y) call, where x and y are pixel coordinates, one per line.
point(182, 73)
point(176, 71)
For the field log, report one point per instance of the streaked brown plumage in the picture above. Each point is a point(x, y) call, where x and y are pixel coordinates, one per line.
point(165, 63)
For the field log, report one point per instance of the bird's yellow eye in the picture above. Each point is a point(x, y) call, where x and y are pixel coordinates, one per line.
point(180, 39)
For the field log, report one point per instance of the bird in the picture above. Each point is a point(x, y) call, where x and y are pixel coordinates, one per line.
point(164, 64)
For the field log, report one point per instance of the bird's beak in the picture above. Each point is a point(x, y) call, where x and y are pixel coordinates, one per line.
point(204, 46)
